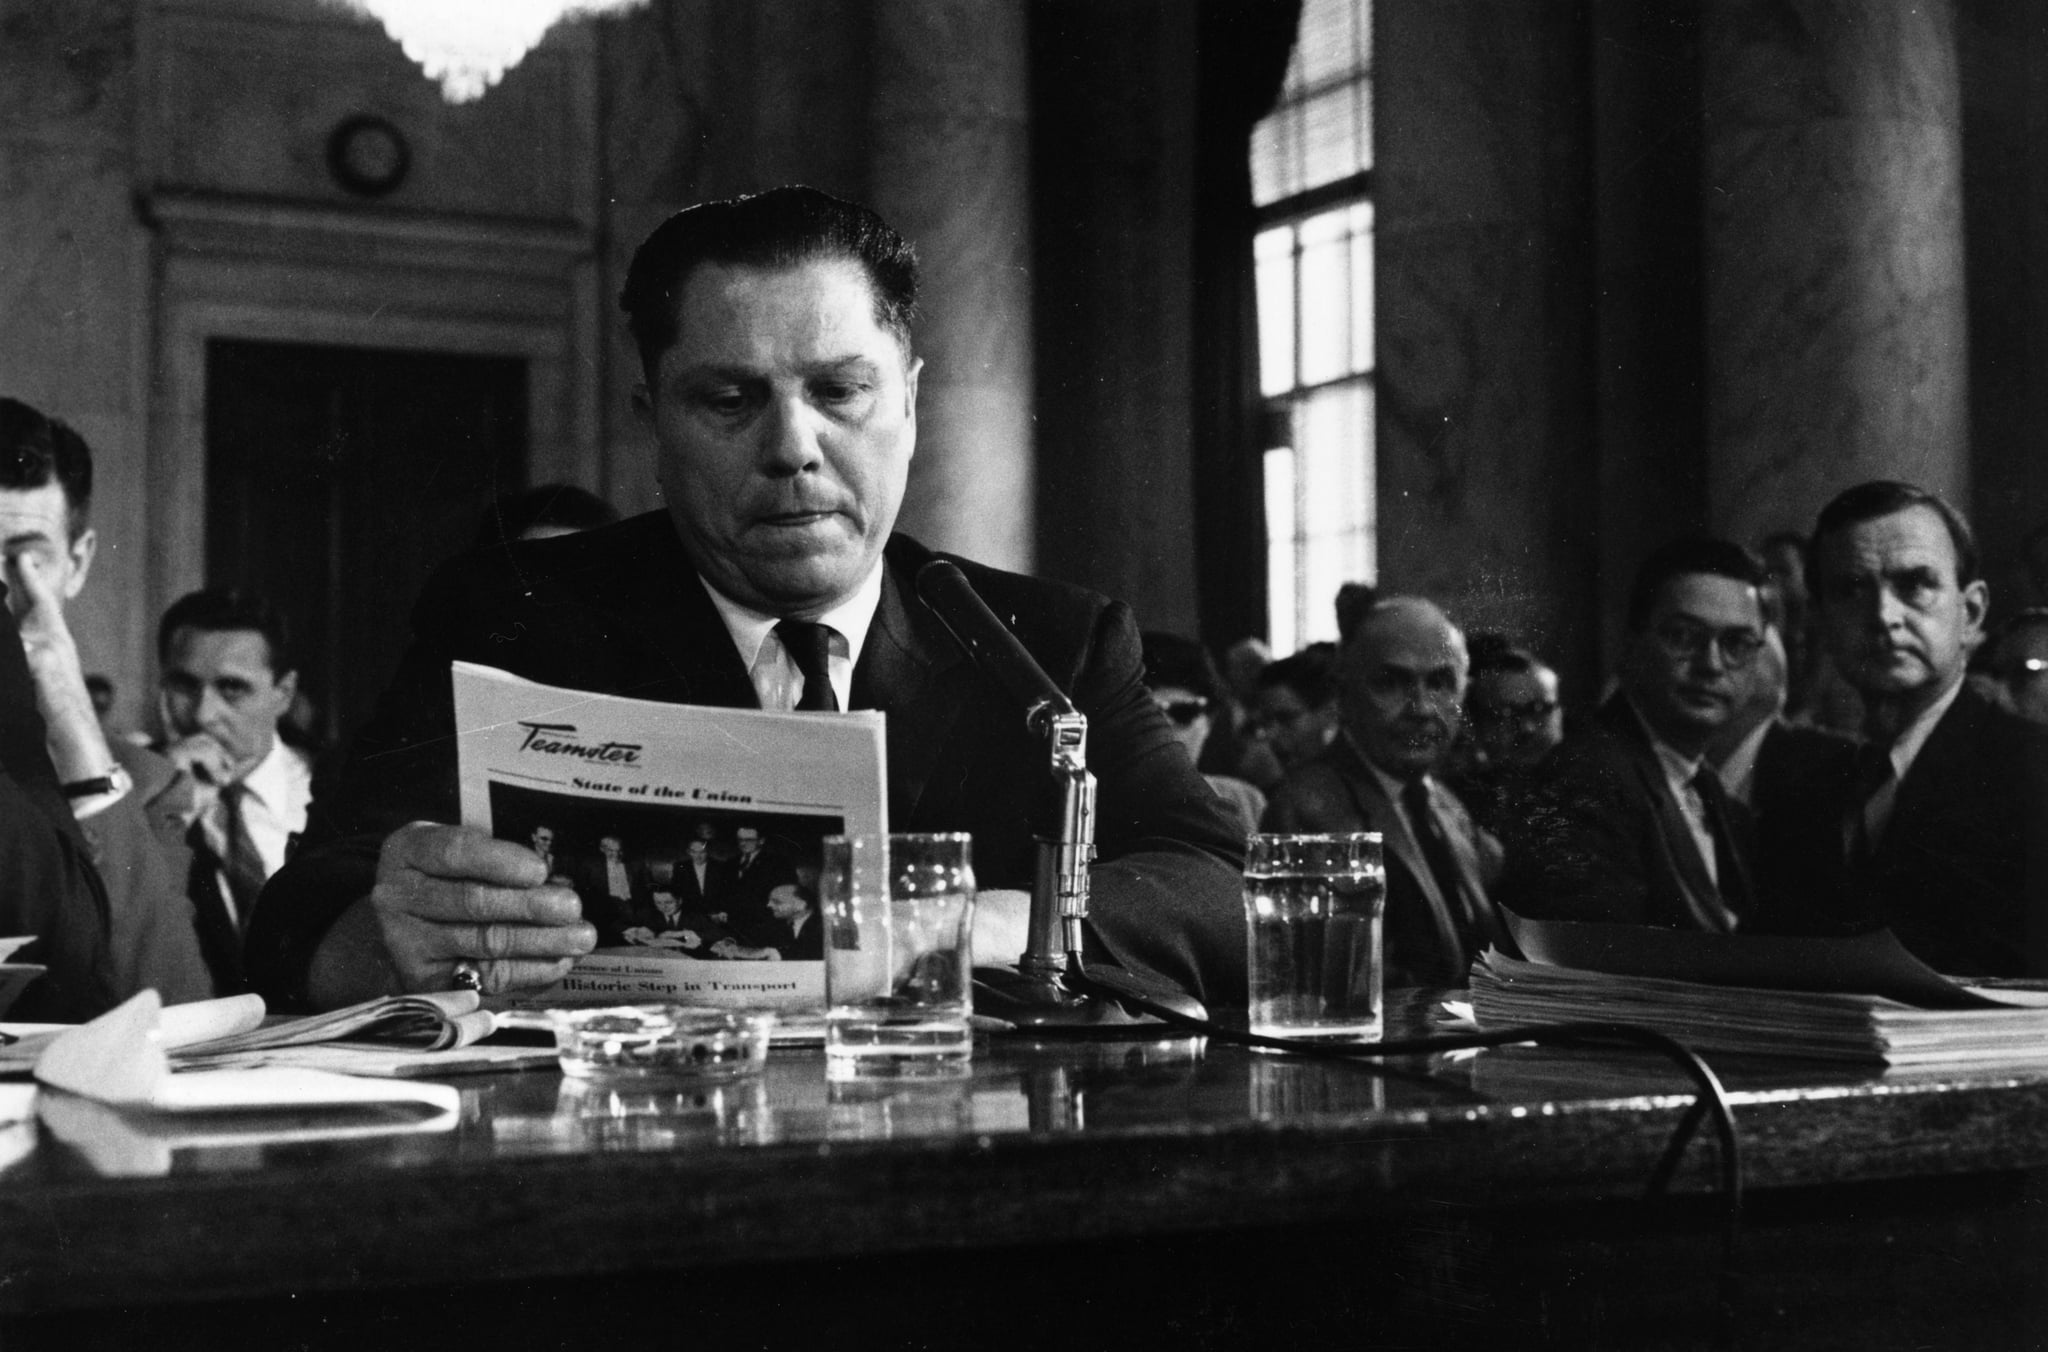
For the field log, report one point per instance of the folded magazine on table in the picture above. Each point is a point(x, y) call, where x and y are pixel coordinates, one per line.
point(691, 833)
point(1861, 998)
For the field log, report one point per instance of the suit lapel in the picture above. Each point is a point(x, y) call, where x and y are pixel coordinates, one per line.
point(911, 669)
point(1696, 886)
point(1374, 806)
point(661, 603)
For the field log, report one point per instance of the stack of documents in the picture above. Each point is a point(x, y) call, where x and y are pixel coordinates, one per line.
point(1862, 999)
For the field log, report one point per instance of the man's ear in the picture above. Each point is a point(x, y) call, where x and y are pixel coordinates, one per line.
point(84, 548)
point(288, 686)
point(1976, 605)
point(910, 375)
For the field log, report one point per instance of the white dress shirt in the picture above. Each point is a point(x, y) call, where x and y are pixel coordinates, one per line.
point(776, 679)
point(274, 799)
point(1877, 812)
point(1679, 770)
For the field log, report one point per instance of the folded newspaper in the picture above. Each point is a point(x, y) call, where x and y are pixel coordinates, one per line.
point(228, 1030)
point(1859, 999)
point(691, 833)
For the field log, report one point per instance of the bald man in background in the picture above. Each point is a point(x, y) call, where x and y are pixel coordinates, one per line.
point(1401, 683)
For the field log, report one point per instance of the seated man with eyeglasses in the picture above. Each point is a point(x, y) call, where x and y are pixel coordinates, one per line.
point(1629, 821)
point(1515, 721)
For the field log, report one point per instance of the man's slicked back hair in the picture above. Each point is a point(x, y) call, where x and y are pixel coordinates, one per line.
point(780, 228)
point(229, 609)
point(36, 449)
point(1681, 558)
point(1885, 497)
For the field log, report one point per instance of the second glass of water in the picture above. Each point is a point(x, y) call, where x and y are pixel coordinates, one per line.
point(899, 915)
point(1313, 906)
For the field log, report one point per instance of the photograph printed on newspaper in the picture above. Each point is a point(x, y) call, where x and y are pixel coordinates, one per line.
point(691, 833)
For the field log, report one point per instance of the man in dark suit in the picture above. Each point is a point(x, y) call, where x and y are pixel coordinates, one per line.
point(781, 395)
point(1400, 680)
point(47, 884)
point(701, 884)
point(1628, 821)
point(132, 805)
point(617, 892)
point(791, 933)
point(1939, 827)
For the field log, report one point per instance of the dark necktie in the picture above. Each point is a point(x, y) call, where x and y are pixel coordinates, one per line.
point(1731, 872)
point(1873, 773)
point(1436, 850)
point(240, 862)
point(810, 647)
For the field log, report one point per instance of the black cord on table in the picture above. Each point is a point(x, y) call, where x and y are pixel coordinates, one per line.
point(1709, 1098)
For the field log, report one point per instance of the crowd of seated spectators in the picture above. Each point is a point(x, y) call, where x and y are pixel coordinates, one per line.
point(1822, 736)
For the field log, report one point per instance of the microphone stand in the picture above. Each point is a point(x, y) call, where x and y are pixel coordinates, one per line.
point(1035, 995)
point(1049, 990)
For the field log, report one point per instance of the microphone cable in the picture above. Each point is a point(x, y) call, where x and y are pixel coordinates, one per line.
point(1710, 1099)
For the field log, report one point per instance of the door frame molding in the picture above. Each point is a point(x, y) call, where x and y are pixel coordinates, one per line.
point(262, 271)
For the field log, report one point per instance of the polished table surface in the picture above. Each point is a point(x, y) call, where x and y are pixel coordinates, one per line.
point(1045, 1143)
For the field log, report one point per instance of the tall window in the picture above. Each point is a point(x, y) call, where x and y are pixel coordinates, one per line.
point(1312, 182)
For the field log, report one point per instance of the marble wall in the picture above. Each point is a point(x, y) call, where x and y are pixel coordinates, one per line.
point(1834, 269)
point(74, 285)
point(1113, 188)
point(1485, 476)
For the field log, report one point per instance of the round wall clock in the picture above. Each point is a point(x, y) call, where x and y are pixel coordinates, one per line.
point(367, 155)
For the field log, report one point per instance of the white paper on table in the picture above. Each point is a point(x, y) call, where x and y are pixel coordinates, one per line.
point(177, 1026)
point(119, 1058)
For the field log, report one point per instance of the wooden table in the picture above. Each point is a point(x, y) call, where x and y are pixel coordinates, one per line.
point(1107, 1193)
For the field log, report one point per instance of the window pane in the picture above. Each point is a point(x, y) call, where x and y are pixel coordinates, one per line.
point(1331, 136)
point(1334, 462)
point(1364, 349)
point(1328, 45)
point(1274, 252)
point(1327, 299)
point(1280, 569)
point(1321, 131)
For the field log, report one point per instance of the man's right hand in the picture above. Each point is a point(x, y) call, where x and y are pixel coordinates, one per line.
point(78, 748)
point(448, 894)
point(203, 758)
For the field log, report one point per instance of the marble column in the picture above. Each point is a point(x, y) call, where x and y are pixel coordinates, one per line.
point(1833, 254)
point(949, 167)
point(1485, 477)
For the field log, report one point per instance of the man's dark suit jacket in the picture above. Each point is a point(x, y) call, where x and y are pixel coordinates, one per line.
point(807, 945)
point(620, 610)
point(718, 885)
point(1428, 939)
point(1600, 838)
point(612, 917)
point(1960, 873)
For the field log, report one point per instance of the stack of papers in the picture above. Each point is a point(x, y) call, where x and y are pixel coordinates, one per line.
point(1858, 1000)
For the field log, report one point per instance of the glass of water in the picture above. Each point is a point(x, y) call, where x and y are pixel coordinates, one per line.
point(1313, 906)
point(899, 914)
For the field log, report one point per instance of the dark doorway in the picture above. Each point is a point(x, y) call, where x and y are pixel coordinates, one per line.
point(337, 477)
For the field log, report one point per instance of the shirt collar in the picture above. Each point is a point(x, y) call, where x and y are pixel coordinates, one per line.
point(750, 628)
point(275, 777)
point(1389, 785)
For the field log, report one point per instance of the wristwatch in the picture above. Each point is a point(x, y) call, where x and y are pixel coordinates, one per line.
point(88, 796)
